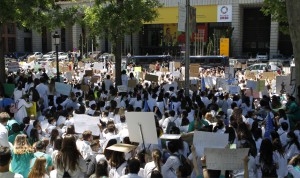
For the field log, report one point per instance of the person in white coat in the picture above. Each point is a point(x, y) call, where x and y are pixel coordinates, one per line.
point(43, 91)
point(22, 105)
point(69, 159)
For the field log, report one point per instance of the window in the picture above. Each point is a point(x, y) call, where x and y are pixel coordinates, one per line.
point(11, 28)
point(27, 44)
point(11, 44)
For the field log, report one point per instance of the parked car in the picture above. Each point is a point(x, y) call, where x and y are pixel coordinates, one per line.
point(37, 55)
point(62, 56)
point(50, 54)
point(262, 57)
point(264, 67)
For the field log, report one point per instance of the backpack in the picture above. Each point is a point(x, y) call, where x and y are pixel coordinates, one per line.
point(170, 125)
point(185, 168)
point(14, 107)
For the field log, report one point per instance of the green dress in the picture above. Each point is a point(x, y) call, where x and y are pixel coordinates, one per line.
point(294, 113)
point(21, 163)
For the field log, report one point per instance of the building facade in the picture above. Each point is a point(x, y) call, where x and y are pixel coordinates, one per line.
point(241, 21)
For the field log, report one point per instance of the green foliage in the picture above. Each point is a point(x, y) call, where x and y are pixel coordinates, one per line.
point(114, 18)
point(35, 14)
point(277, 9)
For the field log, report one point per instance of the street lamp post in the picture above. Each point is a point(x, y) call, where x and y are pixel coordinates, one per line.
point(56, 39)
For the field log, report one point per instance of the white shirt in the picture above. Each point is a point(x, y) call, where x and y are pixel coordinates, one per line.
point(85, 149)
point(4, 136)
point(291, 151)
point(19, 116)
point(18, 94)
point(169, 168)
point(10, 175)
point(117, 173)
point(282, 165)
point(131, 176)
point(293, 171)
point(149, 167)
point(170, 119)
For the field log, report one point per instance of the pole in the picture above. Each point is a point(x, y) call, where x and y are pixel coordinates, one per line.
point(57, 64)
point(140, 125)
point(187, 49)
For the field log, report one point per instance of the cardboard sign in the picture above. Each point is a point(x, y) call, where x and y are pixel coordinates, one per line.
point(122, 88)
point(283, 84)
point(121, 147)
point(164, 69)
point(89, 72)
point(85, 88)
point(95, 79)
point(177, 65)
point(238, 65)
point(98, 66)
point(153, 78)
point(225, 158)
point(152, 67)
point(250, 75)
point(244, 66)
point(131, 83)
point(194, 70)
point(268, 75)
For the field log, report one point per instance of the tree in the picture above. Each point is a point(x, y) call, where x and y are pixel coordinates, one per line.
point(115, 18)
point(33, 14)
point(286, 12)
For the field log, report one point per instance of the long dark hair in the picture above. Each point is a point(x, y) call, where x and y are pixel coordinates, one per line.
point(266, 155)
point(294, 140)
point(68, 156)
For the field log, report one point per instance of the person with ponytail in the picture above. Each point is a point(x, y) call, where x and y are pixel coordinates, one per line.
point(153, 165)
point(39, 169)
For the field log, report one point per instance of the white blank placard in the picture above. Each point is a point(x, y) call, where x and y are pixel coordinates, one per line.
point(147, 122)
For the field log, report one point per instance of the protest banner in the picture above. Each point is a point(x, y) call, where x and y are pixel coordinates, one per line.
point(283, 84)
point(238, 65)
point(234, 89)
point(63, 88)
point(89, 72)
point(80, 64)
point(141, 127)
point(95, 79)
point(255, 94)
point(252, 84)
point(137, 69)
point(68, 75)
point(194, 70)
point(225, 158)
point(122, 88)
point(177, 65)
point(221, 83)
point(85, 88)
point(250, 75)
point(98, 66)
point(164, 69)
point(261, 85)
point(131, 83)
point(167, 86)
point(152, 67)
point(83, 122)
point(13, 66)
point(152, 78)
point(203, 140)
point(268, 75)
point(9, 89)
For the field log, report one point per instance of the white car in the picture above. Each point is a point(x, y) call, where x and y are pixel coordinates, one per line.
point(63, 56)
point(50, 54)
point(36, 55)
point(262, 67)
point(262, 57)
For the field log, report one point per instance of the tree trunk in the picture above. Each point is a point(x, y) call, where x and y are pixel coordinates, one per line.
point(292, 7)
point(2, 60)
point(118, 55)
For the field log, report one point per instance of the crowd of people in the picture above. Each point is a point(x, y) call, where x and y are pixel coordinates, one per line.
point(38, 138)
